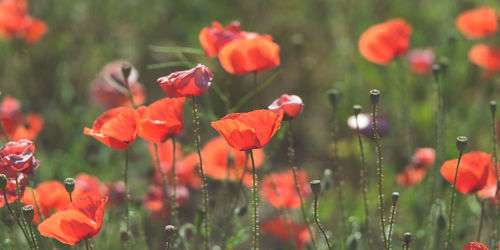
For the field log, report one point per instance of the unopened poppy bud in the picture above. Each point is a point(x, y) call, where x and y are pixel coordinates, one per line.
point(461, 143)
point(241, 211)
point(69, 184)
point(3, 181)
point(327, 176)
point(126, 69)
point(395, 197)
point(357, 109)
point(374, 96)
point(316, 187)
point(493, 107)
point(333, 96)
point(170, 230)
point(29, 213)
point(436, 68)
point(407, 238)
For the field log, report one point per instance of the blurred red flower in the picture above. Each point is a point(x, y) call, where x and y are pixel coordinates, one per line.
point(485, 56)
point(108, 89)
point(161, 120)
point(88, 185)
point(421, 60)
point(477, 23)
point(488, 191)
point(212, 39)
point(187, 83)
point(472, 173)
point(19, 155)
point(423, 157)
point(411, 176)
point(244, 131)
point(250, 55)
point(81, 220)
point(474, 246)
point(15, 23)
point(116, 192)
point(384, 41)
point(222, 162)
point(17, 125)
point(50, 195)
point(116, 128)
point(11, 189)
point(279, 189)
point(155, 200)
point(278, 228)
point(290, 104)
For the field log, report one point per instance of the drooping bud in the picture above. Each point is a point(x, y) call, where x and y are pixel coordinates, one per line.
point(3, 181)
point(69, 184)
point(357, 109)
point(333, 96)
point(461, 143)
point(126, 69)
point(29, 213)
point(395, 197)
point(374, 96)
point(316, 187)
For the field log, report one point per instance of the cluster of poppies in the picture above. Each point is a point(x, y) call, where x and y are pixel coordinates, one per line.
point(16, 23)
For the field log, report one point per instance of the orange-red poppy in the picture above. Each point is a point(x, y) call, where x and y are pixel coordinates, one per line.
point(290, 104)
point(108, 89)
point(384, 41)
point(475, 246)
point(477, 23)
point(161, 120)
point(19, 155)
point(472, 173)
point(116, 128)
point(187, 83)
point(50, 195)
point(411, 176)
point(15, 23)
point(244, 131)
point(17, 125)
point(250, 55)
point(222, 162)
point(88, 185)
point(489, 190)
point(11, 189)
point(485, 56)
point(81, 220)
point(423, 157)
point(283, 228)
point(421, 60)
point(212, 39)
point(279, 189)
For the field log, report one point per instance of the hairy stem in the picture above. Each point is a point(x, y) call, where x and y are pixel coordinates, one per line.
point(450, 216)
point(318, 224)
point(364, 184)
point(255, 206)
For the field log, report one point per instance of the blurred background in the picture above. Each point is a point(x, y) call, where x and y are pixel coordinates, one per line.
point(318, 41)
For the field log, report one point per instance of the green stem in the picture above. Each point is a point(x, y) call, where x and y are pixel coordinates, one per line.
point(379, 171)
point(364, 185)
point(174, 198)
point(391, 223)
point(163, 178)
point(196, 122)
point(17, 219)
point(495, 160)
point(450, 218)
point(291, 163)
point(27, 226)
point(36, 206)
point(127, 200)
point(255, 205)
point(480, 221)
point(318, 224)
point(129, 92)
point(87, 244)
point(337, 173)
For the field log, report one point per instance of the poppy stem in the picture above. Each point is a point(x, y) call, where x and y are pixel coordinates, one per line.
point(316, 220)
point(166, 192)
point(87, 244)
point(255, 205)
point(127, 200)
point(174, 174)
point(395, 197)
point(291, 163)
point(379, 164)
point(36, 205)
point(255, 81)
point(480, 221)
point(493, 109)
point(27, 227)
point(364, 184)
point(196, 122)
point(17, 219)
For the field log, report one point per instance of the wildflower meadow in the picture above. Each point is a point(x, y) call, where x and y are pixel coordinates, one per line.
point(322, 124)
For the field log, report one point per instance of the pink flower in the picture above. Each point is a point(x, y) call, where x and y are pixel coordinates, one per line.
point(421, 60)
point(290, 104)
point(187, 83)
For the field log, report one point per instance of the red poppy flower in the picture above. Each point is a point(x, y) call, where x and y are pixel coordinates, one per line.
point(250, 55)
point(290, 104)
point(278, 228)
point(11, 189)
point(221, 162)
point(16, 124)
point(109, 90)
point(19, 155)
point(244, 131)
point(421, 60)
point(50, 195)
point(472, 173)
point(187, 83)
point(81, 220)
point(477, 23)
point(485, 56)
point(279, 189)
point(116, 128)
point(411, 176)
point(384, 41)
point(213, 38)
point(88, 185)
point(161, 120)
point(423, 157)
point(489, 190)
point(15, 23)
point(155, 200)
point(474, 246)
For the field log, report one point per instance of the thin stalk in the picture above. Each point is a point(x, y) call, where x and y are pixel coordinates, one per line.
point(379, 171)
point(127, 199)
point(87, 244)
point(391, 221)
point(129, 91)
point(166, 191)
point(255, 81)
point(405, 110)
point(291, 163)
point(174, 175)
point(255, 205)
point(26, 225)
point(42, 218)
point(337, 176)
point(16, 218)
point(480, 221)
point(364, 184)
point(196, 122)
point(495, 160)
point(450, 218)
point(318, 224)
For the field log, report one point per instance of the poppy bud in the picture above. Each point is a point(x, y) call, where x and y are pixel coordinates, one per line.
point(126, 69)
point(241, 211)
point(170, 230)
point(374, 96)
point(461, 143)
point(69, 184)
point(357, 109)
point(395, 197)
point(493, 107)
point(327, 176)
point(316, 187)
point(436, 68)
point(407, 238)
point(29, 213)
point(333, 96)
point(3, 181)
